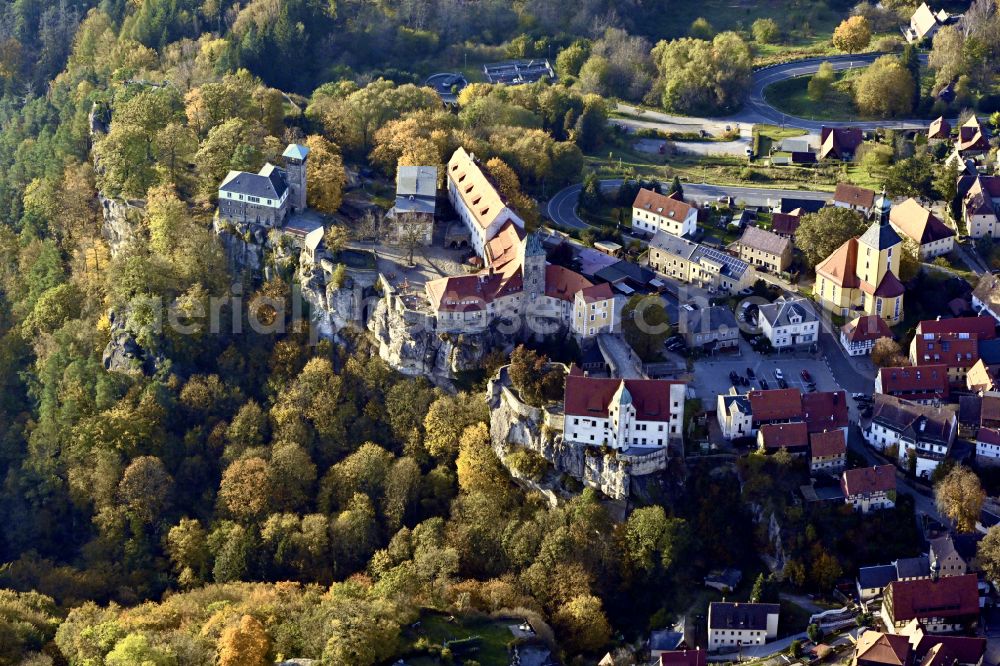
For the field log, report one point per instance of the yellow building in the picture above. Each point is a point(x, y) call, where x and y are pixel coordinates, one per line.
point(859, 278)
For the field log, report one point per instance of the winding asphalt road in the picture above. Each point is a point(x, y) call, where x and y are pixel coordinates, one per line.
point(561, 208)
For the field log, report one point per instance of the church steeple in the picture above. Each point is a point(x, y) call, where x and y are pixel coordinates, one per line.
point(882, 206)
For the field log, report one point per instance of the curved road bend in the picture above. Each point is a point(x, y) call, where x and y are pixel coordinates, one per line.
point(561, 208)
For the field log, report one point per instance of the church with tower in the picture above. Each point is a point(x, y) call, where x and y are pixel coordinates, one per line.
point(861, 276)
point(268, 197)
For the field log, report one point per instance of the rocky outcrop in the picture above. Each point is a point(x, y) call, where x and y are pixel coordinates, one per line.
point(121, 221)
point(407, 341)
point(243, 245)
point(123, 352)
point(514, 424)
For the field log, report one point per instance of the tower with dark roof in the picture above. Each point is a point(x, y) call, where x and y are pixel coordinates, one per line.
point(296, 156)
point(533, 265)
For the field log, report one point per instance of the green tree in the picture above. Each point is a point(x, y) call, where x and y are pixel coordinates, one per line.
point(701, 29)
point(645, 325)
point(245, 490)
point(822, 232)
point(946, 182)
point(653, 541)
point(136, 649)
point(244, 644)
point(571, 59)
point(757, 593)
point(765, 30)
point(676, 189)
point(988, 553)
point(885, 89)
point(582, 625)
point(821, 82)
point(699, 76)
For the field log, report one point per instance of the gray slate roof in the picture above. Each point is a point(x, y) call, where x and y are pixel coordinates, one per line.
point(732, 267)
point(782, 310)
point(913, 567)
point(877, 576)
point(761, 239)
point(296, 151)
point(416, 189)
point(880, 236)
point(268, 183)
point(725, 615)
point(707, 320)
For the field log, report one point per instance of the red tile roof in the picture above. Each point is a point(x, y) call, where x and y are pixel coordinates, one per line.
point(988, 436)
point(923, 383)
point(597, 292)
point(562, 283)
point(468, 293)
point(841, 267)
point(875, 647)
point(826, 444)
point(660, 204)
point(868, 480)
point(949, 649)
point(947, 597)
point(591, 396)
point(889, 287)
point(853, 195)
point(939, 129)
point(785, 224)
point(915, 221)
point(983, 328)
point(775, 404)
point(504, 248)
point(825, 410)
point(784, 435)
point(863, 329)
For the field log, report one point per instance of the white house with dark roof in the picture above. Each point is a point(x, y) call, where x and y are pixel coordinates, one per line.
point(267, 197)
point(924, 23)
point(416, 202)
point(928, 432)
point(789, 322)
point(731, 625)
point(686, 261)
point(478, 203)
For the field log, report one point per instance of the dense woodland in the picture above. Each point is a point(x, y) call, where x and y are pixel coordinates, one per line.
point(259, 495)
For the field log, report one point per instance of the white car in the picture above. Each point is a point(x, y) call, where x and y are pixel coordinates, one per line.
point(778, 374)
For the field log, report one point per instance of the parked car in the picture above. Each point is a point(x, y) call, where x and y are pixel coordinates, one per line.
point(751, 374)
point(782, 383)
point(778, 374)
point(763, 384)
point(806, 377)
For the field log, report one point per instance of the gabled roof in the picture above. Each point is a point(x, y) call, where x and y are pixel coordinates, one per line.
point(972, 136)
point(660, 204)
point(989, 413)
point(784, 435)
point(877, 576)
point(475, 189)
point(838, 142)
point(915, 221)
point(706, 320)
point(765, 241)
point(744, 616)
point(888, 287)
point(597, 292)
point(683, 658)
point(939, 129)
point(880, 236)
point(913, 420)
point(828, 443)
point(874, 647)
point(868, 480)
point(841, 267)
point(913, 567)
point(825, 410)
point(268, 183)
point(982, 327)
point(948, 649)
point(785, 224)
point(987, 291)
point(923, 21)
point(782, 311)
point(948, 597)
point(469, 293)
point(929, 381)
point(562, 283)
point(775, 404)
point(860, 197)
point(591, 396)
point(868, 327)
point(503, 249)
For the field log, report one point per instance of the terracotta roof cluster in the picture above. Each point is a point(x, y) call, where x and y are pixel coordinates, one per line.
point(936, 650)
point(591, 396)
point(828, 444)
point(562, 283)
point(784, 436)
point(947, 597)
point(929, 382)
point(505, 247)
point(866, 328)
point(874, 647)
point(915, 221)
point(868, 480)
point(597, 292)
point(852, 195)
point(661, 204)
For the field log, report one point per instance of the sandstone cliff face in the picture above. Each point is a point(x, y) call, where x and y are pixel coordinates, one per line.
point(123, 352)
point(513, 424)
point(243, 246)
point(411, 347)
point(121, 221)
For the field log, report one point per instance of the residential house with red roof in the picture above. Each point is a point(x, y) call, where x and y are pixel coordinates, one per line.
point(477, 201)
point(951, 342)
point(793, 437)
point(860, 277)
point(877, 649)
point(827, 451)
point(913, 221)
point(594, 311)
point(939, 130)
point(942, 605)
point(980, 197)
point(652, 212)
point(869, 488)
point(785, 224)
point(988, 436)
point(852, 197)
point(925, 384)
point(973, 137)
point(839, 143)
point(859, 335)
point(623, 413)
point(825, 410)
point(922, 435)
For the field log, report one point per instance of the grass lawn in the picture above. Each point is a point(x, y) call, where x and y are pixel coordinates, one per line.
point(489, 650)
point(768, 135)
point(790, 96)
